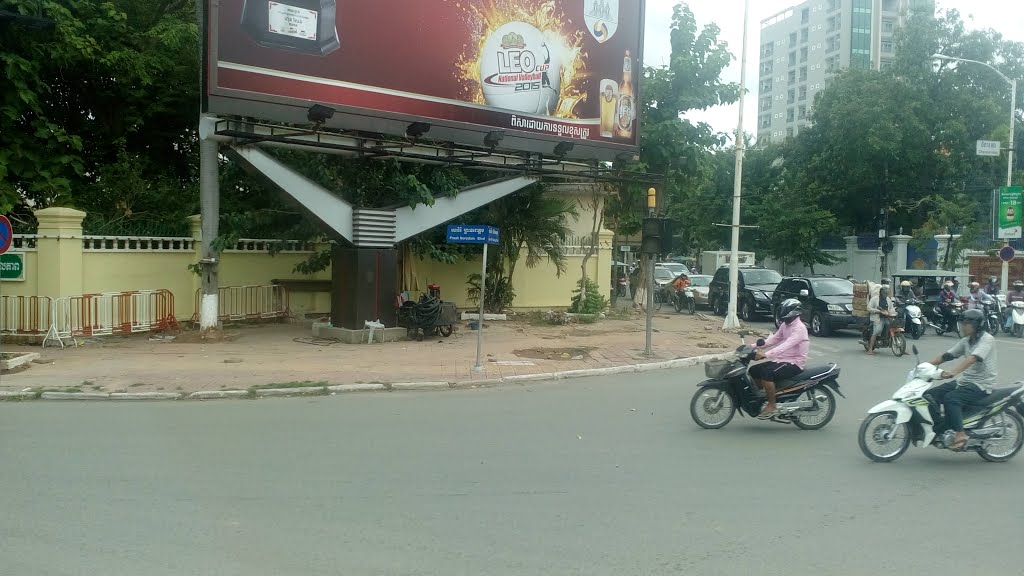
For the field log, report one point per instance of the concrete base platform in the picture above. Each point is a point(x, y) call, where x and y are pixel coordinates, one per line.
point(359, 336)
point(12, 361)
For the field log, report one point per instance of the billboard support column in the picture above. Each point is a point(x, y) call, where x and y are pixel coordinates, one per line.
point(209, 200)
point(364, 282)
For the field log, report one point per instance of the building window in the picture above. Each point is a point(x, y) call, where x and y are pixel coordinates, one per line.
point(789, 132)
point(803, 74)
point(802, 114)
point(767, 50)
point(885, 64)
point(835, 23)
point(804, 35)
point(790, 115)
point(888, 26)
point(832, 44)
point(792, 58)
point(805, 16)
point(831, 63)
point(791, 97)
point(803, 54)
point(792, 40)
point(766, 85)
point(766, 121)
point(834, 5)
point(803, 93)
point(886, 46)
point(792, 76)
point(766, 68)
point(766, 103)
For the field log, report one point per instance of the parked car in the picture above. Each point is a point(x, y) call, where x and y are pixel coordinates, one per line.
point(754, 293)
point(827, 302)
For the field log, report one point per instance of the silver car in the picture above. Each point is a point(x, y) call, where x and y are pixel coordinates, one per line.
point(700, 283)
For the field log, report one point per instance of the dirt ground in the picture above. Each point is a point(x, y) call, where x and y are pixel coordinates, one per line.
point(286, 353)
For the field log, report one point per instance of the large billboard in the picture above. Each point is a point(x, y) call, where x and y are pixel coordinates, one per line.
point(542, 71)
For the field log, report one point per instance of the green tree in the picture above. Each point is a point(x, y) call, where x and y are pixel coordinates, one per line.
point(111, 89)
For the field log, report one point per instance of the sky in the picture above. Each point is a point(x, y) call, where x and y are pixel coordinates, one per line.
point(728, 14)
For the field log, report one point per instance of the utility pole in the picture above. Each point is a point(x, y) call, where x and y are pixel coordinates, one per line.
point(652, 206)
point(731, 321)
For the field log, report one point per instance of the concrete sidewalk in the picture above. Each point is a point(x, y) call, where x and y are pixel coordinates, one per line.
point(268, 354)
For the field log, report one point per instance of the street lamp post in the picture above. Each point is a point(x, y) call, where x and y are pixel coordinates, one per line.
point(731, 321)
point(1009, 149)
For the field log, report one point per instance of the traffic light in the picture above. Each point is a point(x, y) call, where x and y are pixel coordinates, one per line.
point(657, 236)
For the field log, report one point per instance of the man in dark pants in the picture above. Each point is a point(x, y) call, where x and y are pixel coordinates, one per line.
point(977, 376)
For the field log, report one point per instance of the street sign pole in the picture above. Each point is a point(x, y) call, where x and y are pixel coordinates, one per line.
point(6, 241)
point(465, 234)
point(480, 323)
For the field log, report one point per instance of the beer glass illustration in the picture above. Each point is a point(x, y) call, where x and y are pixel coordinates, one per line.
point(609, 100)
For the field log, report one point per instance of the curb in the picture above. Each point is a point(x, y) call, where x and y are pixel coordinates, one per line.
point(374, 387)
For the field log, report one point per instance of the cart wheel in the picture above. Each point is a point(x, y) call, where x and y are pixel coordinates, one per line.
point(446, 331)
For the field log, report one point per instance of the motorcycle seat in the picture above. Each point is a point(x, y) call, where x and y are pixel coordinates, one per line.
point(995, 396)
point(811, 372)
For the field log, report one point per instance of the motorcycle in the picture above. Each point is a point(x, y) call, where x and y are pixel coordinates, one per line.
point(943, 321)
point(806, 400)
point(684, 299)
point(913, 319)
point(994, 431)
point(992, 316)
point(891, 337)
point(623, 286)
point(1017, 313)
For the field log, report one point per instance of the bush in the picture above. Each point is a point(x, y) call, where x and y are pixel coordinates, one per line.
point(595, 302)
point(499, 296)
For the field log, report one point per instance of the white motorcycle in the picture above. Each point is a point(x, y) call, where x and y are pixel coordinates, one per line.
point(994, 428)
point(1017, 313)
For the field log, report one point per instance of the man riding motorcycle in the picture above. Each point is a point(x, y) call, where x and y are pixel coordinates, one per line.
point(786, 348)
point(977, 299)
point(992, 288)
point(1014, 295)
point(977, 376)
point(881, 308)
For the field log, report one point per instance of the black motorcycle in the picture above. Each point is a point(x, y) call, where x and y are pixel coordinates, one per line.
point(684, 300)
point(806, 400)
point(945, 318)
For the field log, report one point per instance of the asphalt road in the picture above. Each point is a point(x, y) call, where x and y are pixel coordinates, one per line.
point(590, 477)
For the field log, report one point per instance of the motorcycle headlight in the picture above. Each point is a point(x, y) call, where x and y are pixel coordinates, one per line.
point(836, 308)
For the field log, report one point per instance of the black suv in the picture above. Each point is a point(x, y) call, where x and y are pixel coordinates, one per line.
point(753, 296)
point(827, 302)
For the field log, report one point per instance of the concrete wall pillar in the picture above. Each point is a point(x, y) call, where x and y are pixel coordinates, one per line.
point(900, 243)
point(851, 255)
point(59, 249)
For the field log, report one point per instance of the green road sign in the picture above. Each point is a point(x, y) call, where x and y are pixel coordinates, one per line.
point(12, 267)
point(1009, 213)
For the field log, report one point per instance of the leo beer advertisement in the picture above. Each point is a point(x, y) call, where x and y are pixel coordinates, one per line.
point(565, 69)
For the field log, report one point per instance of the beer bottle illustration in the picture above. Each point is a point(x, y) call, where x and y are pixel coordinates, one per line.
point(625, 112)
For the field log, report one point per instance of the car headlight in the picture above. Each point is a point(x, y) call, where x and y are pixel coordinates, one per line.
point(836, 308)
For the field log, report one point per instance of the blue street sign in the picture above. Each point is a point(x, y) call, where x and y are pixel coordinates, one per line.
point(6, 234)
point(472, 234)
point(1006, 253)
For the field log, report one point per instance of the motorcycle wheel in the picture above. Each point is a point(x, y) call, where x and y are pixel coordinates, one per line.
point(916, 331)
point(1018, 330)
point(1008, 445)
point(898, 344)
point(712, 408)
point(446, 330)
point(874, 445)
point(678, 303)
point(993, 326)
point(817, 419)
point(691, 306)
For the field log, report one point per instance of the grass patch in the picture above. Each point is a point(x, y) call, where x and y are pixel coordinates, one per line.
point(297, 384)
point(617, 313)
point(68, 390)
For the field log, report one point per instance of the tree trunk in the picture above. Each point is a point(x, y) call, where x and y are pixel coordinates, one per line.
point(595, 235)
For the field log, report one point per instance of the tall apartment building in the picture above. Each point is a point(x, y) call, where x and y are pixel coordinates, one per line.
point(802, 46)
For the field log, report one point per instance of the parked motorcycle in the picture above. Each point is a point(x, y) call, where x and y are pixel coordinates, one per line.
point(891, 337)
point(806, 400)
point(683, 299)
point(913, 319)
point(995, 430)
point(943, 321)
